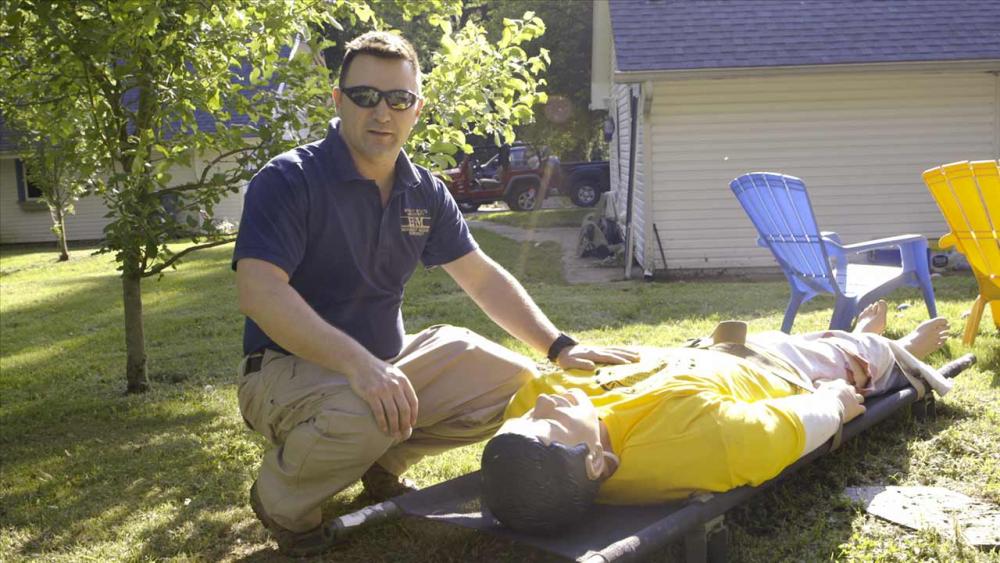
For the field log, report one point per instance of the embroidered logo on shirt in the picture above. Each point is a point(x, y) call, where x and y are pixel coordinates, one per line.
point(415, 222)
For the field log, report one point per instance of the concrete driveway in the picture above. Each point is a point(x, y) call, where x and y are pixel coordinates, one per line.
point(575, 269)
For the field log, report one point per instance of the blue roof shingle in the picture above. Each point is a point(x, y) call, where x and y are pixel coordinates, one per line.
point(653, 35)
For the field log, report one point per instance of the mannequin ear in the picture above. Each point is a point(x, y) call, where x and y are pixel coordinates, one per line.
point(611, 463)
point(596, 463)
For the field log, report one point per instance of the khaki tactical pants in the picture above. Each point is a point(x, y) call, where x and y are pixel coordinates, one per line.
point(325, 436)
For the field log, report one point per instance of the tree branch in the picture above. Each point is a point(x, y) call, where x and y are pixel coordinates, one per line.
point(159, 268)
point(200, 183)
point(40, 101)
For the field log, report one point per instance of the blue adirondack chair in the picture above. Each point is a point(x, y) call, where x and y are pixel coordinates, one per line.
point(816, 262)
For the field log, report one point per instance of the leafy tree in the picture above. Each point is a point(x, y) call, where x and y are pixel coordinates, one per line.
point(478, 88)
point(147, 71)
point(61, 169)
point(174, 84)
point(564, 121)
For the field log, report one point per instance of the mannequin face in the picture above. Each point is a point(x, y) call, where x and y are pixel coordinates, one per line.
point(568, 419)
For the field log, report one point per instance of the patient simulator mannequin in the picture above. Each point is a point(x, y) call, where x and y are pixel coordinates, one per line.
point(727, 412)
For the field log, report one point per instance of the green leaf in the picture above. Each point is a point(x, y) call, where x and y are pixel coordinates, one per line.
point(449, 44)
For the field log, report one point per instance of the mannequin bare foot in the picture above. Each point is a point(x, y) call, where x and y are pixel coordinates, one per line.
point(872, 319)
point(929, 337)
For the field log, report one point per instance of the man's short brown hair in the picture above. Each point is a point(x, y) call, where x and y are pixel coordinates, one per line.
point(380, 44)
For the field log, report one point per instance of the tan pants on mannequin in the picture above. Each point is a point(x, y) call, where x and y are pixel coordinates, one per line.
point(325, 436)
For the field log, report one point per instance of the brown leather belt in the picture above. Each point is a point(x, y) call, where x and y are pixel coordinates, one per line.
point(254, 362)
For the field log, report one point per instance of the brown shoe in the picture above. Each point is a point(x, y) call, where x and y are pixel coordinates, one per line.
point(381, 485)
point(294, 544)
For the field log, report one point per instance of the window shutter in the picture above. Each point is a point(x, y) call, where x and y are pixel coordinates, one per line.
point(22, 191)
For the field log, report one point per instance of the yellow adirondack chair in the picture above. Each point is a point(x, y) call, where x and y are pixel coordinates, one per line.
point(968, 194)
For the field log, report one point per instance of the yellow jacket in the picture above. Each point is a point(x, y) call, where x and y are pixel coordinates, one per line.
point(683, 421)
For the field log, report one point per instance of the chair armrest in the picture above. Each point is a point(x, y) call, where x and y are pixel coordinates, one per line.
point(831, 241)
point(832, 236)
point(901, 240)
point(835, 250)
point(947, 241)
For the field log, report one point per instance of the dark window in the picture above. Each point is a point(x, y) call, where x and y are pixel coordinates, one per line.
point(26, 189)
point(33, 190)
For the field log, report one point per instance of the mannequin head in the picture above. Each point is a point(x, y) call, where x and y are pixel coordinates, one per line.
point(543, 470)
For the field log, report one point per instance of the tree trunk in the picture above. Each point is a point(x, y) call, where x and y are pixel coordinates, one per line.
point(61, 235)
point(135, 342)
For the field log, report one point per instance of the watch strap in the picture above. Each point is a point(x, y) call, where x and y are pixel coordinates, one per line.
point(561, 342)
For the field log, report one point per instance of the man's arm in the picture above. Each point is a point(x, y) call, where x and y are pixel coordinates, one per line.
point(266, 297)
point(505, 301)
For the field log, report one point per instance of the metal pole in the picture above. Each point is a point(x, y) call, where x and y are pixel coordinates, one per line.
point(660, 244)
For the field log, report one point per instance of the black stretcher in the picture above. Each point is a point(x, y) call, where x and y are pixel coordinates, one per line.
point(628, 533)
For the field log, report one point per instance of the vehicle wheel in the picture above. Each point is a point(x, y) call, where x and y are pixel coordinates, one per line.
point(467, 207)
point(522, 197)
point(585, 194)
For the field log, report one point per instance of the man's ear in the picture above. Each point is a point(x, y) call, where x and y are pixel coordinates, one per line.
point(337, 96)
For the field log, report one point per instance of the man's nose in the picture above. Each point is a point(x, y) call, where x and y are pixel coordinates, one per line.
point(382, 111)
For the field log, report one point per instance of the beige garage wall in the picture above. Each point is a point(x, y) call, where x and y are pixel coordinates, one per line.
point(860, 142)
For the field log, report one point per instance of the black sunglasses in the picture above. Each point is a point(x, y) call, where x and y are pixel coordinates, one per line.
point(369, 97)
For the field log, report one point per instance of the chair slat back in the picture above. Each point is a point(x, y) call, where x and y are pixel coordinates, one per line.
point(779, 207)
point(968, 194)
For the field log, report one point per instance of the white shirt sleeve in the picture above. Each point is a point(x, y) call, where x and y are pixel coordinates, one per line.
point(820, 414)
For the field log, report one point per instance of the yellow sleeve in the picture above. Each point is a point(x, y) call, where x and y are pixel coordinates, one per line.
point(707, 441)
point(761, 438)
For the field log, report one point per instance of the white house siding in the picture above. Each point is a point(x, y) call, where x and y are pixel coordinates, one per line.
point(31, 222)
point(860, 142)
point(21, 223)
point(621, 110)
point(619, 149)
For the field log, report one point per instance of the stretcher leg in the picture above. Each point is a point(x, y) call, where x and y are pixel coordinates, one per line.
point(707, 543)
point(924, 409)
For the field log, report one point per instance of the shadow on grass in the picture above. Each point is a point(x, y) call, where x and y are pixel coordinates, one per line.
point(130, 472)
point(193, 330)
point(416, 541)
point(808, 513)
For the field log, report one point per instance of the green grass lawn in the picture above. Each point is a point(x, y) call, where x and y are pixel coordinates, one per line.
point(89, 474)
point(543, 218)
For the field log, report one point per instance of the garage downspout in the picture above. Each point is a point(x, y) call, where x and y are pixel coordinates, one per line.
point(634, 120)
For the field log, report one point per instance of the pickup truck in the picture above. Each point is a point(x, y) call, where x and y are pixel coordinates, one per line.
point(519, 176)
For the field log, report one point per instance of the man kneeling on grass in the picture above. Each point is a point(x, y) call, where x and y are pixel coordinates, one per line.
point(726, 412)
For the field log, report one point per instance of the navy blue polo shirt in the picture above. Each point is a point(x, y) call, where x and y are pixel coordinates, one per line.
point(309, 212)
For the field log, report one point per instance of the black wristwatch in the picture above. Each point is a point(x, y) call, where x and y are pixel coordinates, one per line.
point(561, 343)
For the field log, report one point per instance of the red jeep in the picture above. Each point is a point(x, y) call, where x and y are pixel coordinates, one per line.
point(512, 174)
point(516, 175)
